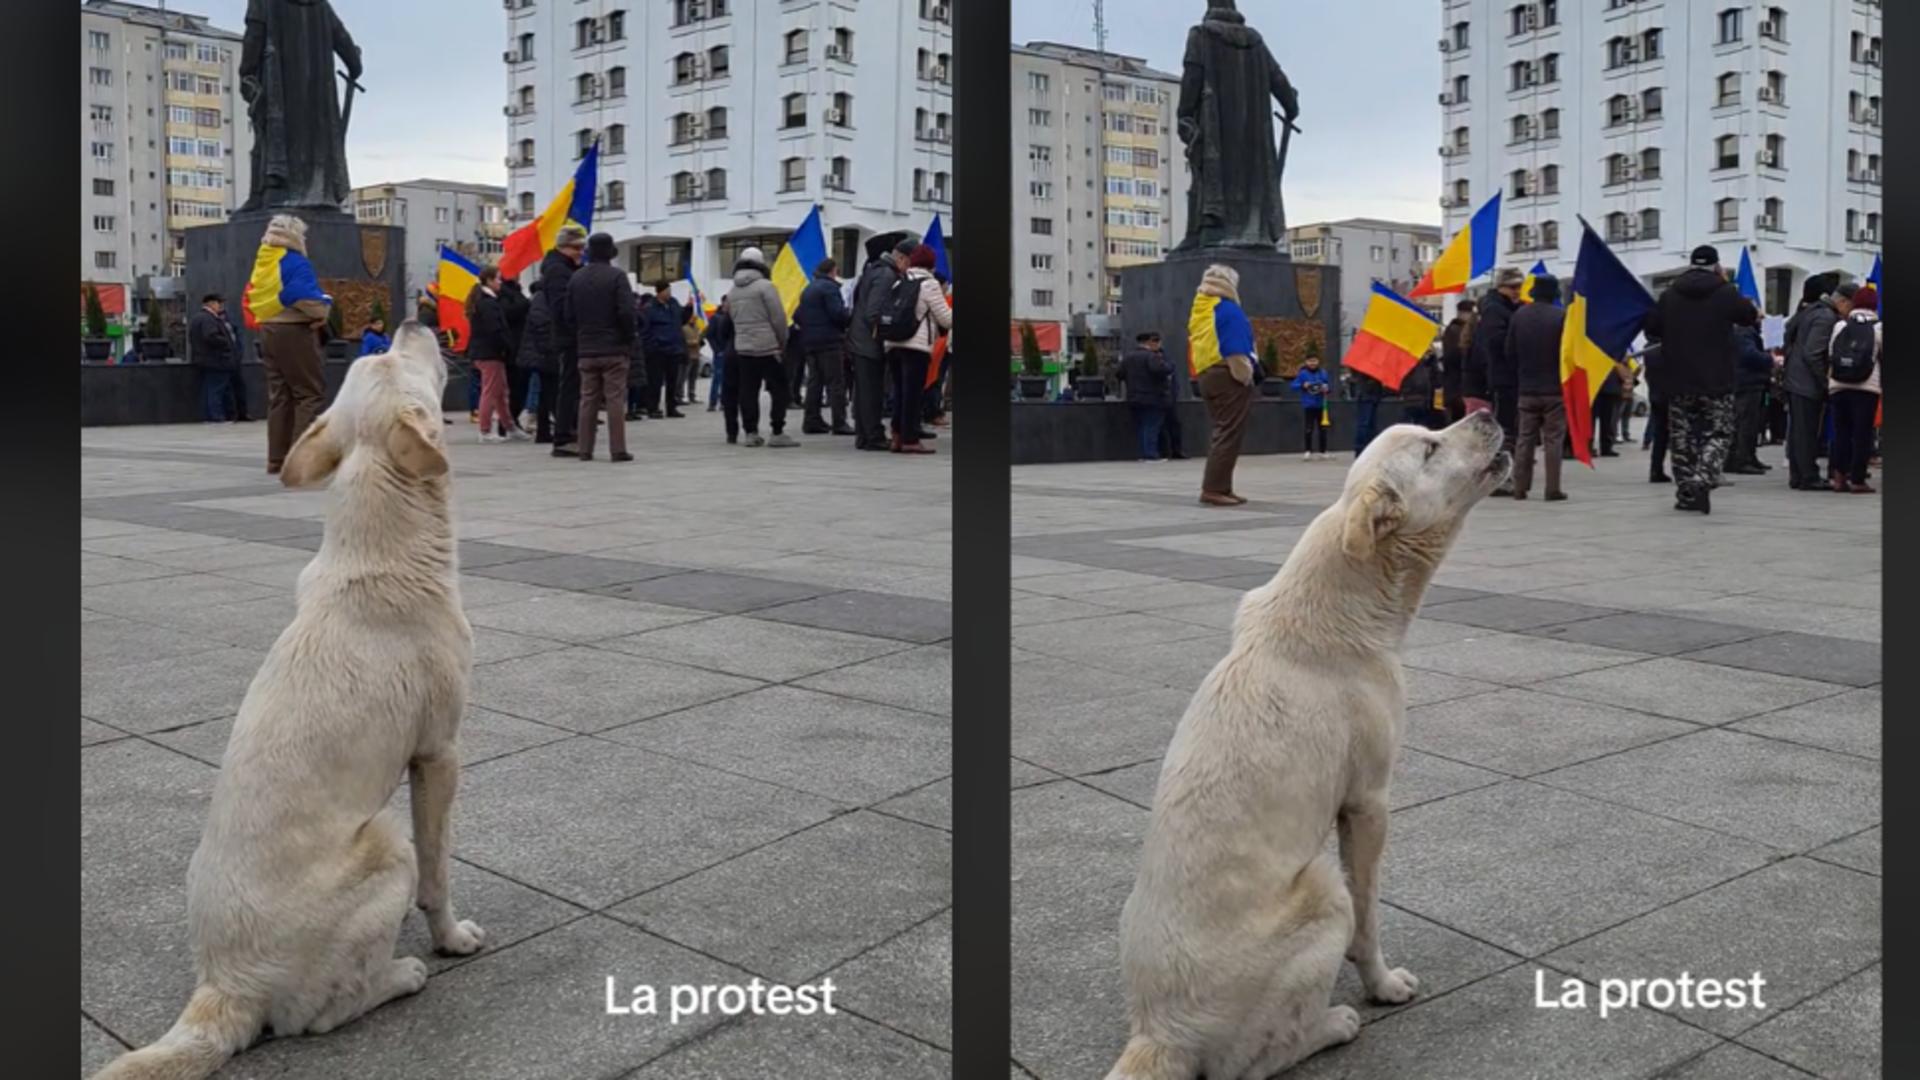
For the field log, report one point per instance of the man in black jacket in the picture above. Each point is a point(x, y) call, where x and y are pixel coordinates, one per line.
point(537, 357)
point(514, 305)
point(1809, 335)
point(1753, 370)
point(1490, 361)
point(1533, 353)
point(556, 274)
point(1456, 342)
point(665, 350)
point(1144, 370)
point(602, 307)
point(1694, 320)
point(211, 343)
point(869, 357)
point(822, 318)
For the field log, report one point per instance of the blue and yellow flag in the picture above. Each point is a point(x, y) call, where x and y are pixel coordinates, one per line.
point(1744, 279)
point(281, 278)
point(1216, 329)
point(698, 301)
point(1605, 308)
point(793, 267)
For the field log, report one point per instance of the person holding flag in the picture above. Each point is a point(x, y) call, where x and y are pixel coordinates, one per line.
point(1694, 321)
point(284, 303)
point(1533, 346)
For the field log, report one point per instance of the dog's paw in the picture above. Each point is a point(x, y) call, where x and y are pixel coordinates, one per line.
point(1398, 985)
point(463, 939)
point(1342, 1023)
point(409, 974)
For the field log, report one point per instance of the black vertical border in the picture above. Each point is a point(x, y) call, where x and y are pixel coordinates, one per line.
point(1900, 546)
point(982, 733)
point(40, 545)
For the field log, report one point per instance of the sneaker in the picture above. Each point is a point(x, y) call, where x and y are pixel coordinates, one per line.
point(490, 437)
point(813, 427)
point(518, 435)
point(527, 419)
point(474, 417)
point(782, 439)
point(1308, 456)
point(755, 440)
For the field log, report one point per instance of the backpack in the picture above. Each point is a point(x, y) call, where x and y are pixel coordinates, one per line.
point(898, 319)
point(1852, 353)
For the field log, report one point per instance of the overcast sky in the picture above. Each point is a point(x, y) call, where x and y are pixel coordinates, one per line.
point(1367, 74)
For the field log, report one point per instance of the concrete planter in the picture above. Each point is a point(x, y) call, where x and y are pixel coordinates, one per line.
point(1089, 388)
point(96, 348)
point(155, 349)
point(1033, 387)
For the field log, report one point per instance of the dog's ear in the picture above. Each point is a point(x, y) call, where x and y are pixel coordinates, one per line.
point(1374, 511)
point(414, 443)
point(314, 456)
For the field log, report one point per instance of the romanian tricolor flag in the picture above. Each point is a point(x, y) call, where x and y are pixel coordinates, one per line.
point(455, 277)
point(1873, 279)
point(1539, 270)
point(281, 278)
point(1393, 337)
point(1605, 308)
point(793, 267)
point(1470, 254)
point(530, 243)
point(1744, 279)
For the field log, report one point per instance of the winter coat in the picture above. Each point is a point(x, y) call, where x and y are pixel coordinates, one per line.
point(1809, 335)
point(514, 305)
point(660, 325)
point(1753, 365)
point(373, 343)
point(1490, 368)
point(869, 296)
point(536, 344)
point(1364, 387)
point(1453, 359)
point(556, 272)
point(720, 334)
point(821, 315)
point(211, 343)
point(1533, 348)
point(1872, 385)
point(1694, 319)
point(759, 315)
point(930, 311)
point(690, 333)
point(1311, 383)
point(601, 301)
point(486, 327)
point(1145, 372)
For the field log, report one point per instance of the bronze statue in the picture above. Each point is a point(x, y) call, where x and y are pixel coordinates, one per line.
point(1233, 198)
point(299, 130)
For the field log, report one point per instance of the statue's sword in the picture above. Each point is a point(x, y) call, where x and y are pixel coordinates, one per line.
point(346, 110)
point(1287, 129)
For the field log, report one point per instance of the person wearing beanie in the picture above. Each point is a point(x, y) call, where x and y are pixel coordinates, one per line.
point(885, 265)
point(1853, 390)
point(663, 352)
point(1489, 371)
point(1807, 336)
point(822, 318)
point(907, 359)
point(556, 274)
point(1533, 352)
point(602, 306)
point(1694, 320)
point(759, 337)
point(1220, 351)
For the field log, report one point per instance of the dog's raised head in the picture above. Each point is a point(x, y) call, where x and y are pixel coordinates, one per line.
point(388, 409)
point(1411, 482)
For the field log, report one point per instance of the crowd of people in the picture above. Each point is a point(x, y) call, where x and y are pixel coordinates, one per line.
point(1715, 392)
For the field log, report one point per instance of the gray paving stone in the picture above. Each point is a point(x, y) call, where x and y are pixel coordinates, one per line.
point(1522, 732)
point(1126, 637)
point(578, 617)
point(485, 735)
point(904, 618)
point(112, 641)
point(1801, 924)
point(164, 596)
point(96, 1047)
point(509, 911)
point(1428, 687)
point(589, 690)
point(578, 572)
point(1514, 613)
point(479, 592)
point(1849, 723)
point(1688, 690)
point(755, 648)
point(1513, 659)
point(112, 570)
point(1098, 735)
point(1787, 796)
point(1419, 778)
point(1024, 774)
point(843, 1046)
point(1029, 610)
point(158, 694)
point(544, 1001)
point(1836, 1034)
point(1529, 868)
point(796, 908)
point(1043, 682)
point(1491, 1031)
point(1158, 598)
point(1422, 632)
point(1731, 1061)
point(228, 557)
point(251, 624)
point(475, 554)
point(1648, 632)
point(1444, 960)
point(1860, 851)
point(491, 646)
point(920, 679)
point(1135, 783)
point(1807, 656)
point(906, 983)
point(852, 752)
point(593, 821)
point(726, 594)
point(92, 733)
point(1214, 615)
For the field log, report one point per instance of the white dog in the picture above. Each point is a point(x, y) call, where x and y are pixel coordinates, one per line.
point(302, 878)
point(1234, 932)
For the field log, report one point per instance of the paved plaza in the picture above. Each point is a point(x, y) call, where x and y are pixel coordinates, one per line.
point(1639, 743)
point(708, 740)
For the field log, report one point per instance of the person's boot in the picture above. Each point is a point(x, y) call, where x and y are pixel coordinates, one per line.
point(1659, 478)
point(841, 429)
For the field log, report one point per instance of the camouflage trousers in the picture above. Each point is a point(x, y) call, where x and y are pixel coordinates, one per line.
point(1699, 432)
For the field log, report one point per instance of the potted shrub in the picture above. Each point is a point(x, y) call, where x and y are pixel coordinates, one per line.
point(338, 347)
point(1089, 384)
point(1033, 374)
point(153, 335)
point(95, 345)
point(1273, 384)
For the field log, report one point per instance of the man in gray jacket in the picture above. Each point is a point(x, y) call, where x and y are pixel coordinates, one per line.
point(1808, 335)
point(759, 337)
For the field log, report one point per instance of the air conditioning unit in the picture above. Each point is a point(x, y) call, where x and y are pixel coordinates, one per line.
point(1446, 151)
point(509, 110)
point(1629, 172)
point(940, 135)
point(1871, 176)
point(696, 11)
point(1446, 45)
point(1630, 53)
point(1632, 111)
point(938, 73)
point(1767, 94)
point(836, 117)
point(698, 68)
point(1446, 99)
point(511, 56)
point(835, 183)
point(1768, 158)
point(835, 52)
point(1871, 116)
point(695, 128)
point(939, 13)
point(1630, 230)
point(1871, 57)
point(1767, 223)
point(697, 188)
point(1769, 29)
point(1532, 18)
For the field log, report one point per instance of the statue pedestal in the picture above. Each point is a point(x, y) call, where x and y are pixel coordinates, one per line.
point(355, 263)
point(1286, 301)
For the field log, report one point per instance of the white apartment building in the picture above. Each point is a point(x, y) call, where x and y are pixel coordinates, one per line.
point(1395, 253)
point(1099, 181)
point(164, 140)
point(721, 122)
point(1668, 124)
point(469, 218)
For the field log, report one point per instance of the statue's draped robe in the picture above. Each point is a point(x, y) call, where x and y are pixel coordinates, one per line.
point(1226, 79)
point(299, 141)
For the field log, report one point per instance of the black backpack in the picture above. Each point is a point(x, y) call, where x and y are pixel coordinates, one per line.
point(1852, 354)
point(897, 320)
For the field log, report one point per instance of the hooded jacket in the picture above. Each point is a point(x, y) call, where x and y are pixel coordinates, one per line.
point(720, 334)
point(536, 344)
point(1694, 320)
point(1497, 369)
point(1753, 365)
point(1453, 358)
point(930, 312)
point(821, 316)
point(1311, 383)
point(556, 274)
point(759, 316)
point(514, 305)
point(661, 319)
point(487, 326)
point(1809, 335)
point(869, 296)
point(1533, 348)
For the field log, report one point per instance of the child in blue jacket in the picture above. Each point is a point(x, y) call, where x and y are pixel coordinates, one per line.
point(1311, 383)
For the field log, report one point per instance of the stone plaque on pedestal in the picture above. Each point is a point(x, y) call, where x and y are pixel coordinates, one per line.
point(1289, 303)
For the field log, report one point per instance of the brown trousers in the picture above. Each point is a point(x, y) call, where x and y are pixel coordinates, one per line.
point(603, 382)
point(1228, 403)
point(296, 385)
point(1543, 423)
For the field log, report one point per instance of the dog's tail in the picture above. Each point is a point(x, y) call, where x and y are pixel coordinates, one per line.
point(213, 1027)
point(1145, 1059)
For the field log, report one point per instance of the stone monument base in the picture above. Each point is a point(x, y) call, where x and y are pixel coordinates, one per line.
point(355, 263)
point(1289, 303)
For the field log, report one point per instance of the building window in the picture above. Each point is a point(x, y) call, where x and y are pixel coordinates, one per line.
point(662, 261)
point(770, 245)
point(1619, 52)
point(686, 67)
point(1775, 90)
point(100, 76)
point(1774, 26)
point(616, 82)
point(685, 187)
point(716, 183)
point(1040, 117)
point(1519, 75)
point(1038, 82)
point(1518, 239)
point(1650, 44)
point(103, 153)
point(1550, 235)
point(1550, 123)
point(1040, 226)
point(526, 152)
point(526, 99)
point(1549, 13)
point(1550, 180)
point(583, 33)
point(582, 142)
point(1042, 298)
point(1518, 184)
point(616, 139)
point(719, 62)
point(441, 215)
point(1461, 193)
point(796, 47)
point(176, 50)
point(793, 110)
point(1041, 262)
point(176, 114)
point(1650, 163)
point(1650, 224)
point(100, 40)
point(1651, 103)
point(1520, 128)
point(524, 54)
point(1775, 151)
point(617, 26)
point(526, 203)
point(1726, 215)
point(793, 174)
point(935, 11)
point(584, 87)
point(841, 115)
point(1459, 89)
point(1039, 153)
point(613, 196)
point(103, 223)
point(1727, 89)
point(1730, 26)
point(105, 260)
point(1462, 137)
point(683, 127)
point(102, 187)
point(1773, 214)
point(1145, 158)
point(1549, 69)
point(1619, 227)
point(717, 122)
point(1039, 189)
point(1726, 152)
point(1520, 19)
point(840, 174)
